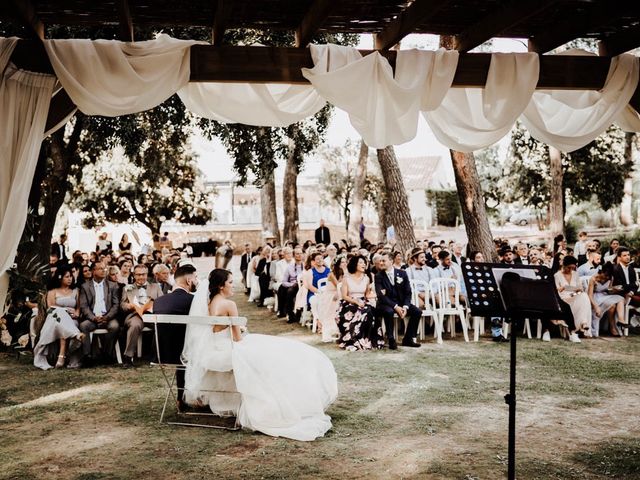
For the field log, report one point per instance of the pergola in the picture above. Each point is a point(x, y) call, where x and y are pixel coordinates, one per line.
point(545, 24)
point(423, 82)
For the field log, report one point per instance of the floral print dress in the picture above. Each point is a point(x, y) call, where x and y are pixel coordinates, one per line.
point(358, 327)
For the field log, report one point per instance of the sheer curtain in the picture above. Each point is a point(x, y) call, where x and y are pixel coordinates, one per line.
point(24, 104)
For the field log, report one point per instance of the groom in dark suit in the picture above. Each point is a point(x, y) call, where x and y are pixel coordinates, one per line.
point(171, 337)
point(394, 298)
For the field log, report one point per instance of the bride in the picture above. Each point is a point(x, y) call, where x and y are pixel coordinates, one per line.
point(283, 386)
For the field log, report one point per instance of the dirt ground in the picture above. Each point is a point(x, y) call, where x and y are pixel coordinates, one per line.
point(435, 412)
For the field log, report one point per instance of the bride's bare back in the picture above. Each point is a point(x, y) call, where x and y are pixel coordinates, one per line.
point(219, 306)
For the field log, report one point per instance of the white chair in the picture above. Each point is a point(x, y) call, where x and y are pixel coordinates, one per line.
point(169, 369)
point(116, 345)
point(322, 283)
point(478, 326)
point(417, 287)
point(443, 289)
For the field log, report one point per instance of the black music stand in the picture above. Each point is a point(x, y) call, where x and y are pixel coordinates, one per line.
point(513, 292)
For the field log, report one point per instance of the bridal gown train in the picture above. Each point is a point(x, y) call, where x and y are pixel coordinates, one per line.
point(283, 385)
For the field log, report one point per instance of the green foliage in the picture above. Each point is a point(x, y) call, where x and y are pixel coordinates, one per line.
point(447, 206)
point(338, 178)
point(257, 150)
point(596, 170)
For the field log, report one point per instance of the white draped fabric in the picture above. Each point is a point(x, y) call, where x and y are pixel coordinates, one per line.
point(569, 120)
point(276, 105)
point(383, 108)
point(24, 104)
point(469, 119)
point(111, 78)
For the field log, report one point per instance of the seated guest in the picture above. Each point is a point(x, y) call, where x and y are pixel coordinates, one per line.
point(476, 257)
point(625, 275)
point(99, 304)
point(137, 299)
point(570, 289)
point(356, 320)
point(419, 271)
point(61, 324)
point(447, 269)
point(278, 271)
point(327, 303)
point(318, 272)
point(592, 266)
point(331, 252)
point(397, 259)
point(522, 254)
point(456, 254)
point(260, 283)
point(610, 254)
point(394, 298)
point(161, 275)
point(289, 287)
point(171, 337)
point(605, 300)
point(506, 255)
point(124, 277)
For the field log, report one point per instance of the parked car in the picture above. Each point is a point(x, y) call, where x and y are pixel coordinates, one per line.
point(524, 217)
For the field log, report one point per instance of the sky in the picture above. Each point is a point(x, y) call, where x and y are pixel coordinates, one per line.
point(216, 164)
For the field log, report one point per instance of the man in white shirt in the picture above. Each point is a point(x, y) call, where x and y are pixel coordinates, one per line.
point(99, 304)
point(447, 269)
point(419, 271)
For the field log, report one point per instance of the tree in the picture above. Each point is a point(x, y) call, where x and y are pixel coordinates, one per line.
point(162, 183)
point(397, 211)
point(258, 155)
point(340, 177)
point(597, 170)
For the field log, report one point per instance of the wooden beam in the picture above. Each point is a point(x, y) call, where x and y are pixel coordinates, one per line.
point(622, 42)
point(223, 12)
point(60, 107)
point(407, 21)
point(502, 19)
point(26, 13)
point(125, 21)
point(312, 21)
point(576, 25)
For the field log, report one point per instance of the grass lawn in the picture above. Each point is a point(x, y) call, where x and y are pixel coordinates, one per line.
point(435, 412)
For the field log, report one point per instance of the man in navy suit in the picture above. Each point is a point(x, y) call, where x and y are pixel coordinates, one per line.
point(394, 298)
point(171, 337)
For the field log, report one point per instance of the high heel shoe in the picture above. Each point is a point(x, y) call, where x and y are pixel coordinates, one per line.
point(61, 360)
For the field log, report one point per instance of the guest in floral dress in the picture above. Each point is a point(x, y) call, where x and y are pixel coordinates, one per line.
point(356, 320)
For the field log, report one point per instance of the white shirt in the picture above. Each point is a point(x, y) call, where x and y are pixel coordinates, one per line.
point(587, 270)
point(417, 273)
point(626, 272)
point(99, 306)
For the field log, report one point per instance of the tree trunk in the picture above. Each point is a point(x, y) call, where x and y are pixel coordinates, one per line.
point(474, 213)
point(626, 216)
point(556, 200)
point(268, 207)
point(290, 196)
point(383, 221)
point(397, 210)
point(358, 193)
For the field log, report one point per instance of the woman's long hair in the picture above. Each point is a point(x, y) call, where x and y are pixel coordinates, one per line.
point(217, 278)
point(56, 281)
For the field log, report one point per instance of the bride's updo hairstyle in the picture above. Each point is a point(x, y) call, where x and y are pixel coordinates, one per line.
point(217, 278)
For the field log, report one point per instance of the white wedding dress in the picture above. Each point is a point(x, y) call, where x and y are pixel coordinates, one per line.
point(283, 386)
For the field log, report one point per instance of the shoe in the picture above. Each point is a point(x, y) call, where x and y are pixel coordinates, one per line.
point(393, 345)
point(546, 337)
point(573, 338)
point(127, 362)
point(500, 339)
point(281, 315)
point(259, 304)
point(61, 360)
point(410, 342)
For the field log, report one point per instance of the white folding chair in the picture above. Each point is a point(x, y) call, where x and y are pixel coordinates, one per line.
point(169, 369)
point(116, 345)
point(443, 289)
point(322, 283)
point(417, 287)
point(144, 330)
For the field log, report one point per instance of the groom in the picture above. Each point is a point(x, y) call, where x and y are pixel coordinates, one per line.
point(394, 298)
point(171, 337)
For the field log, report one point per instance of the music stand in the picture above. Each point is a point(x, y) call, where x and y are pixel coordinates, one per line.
point(513, 292)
